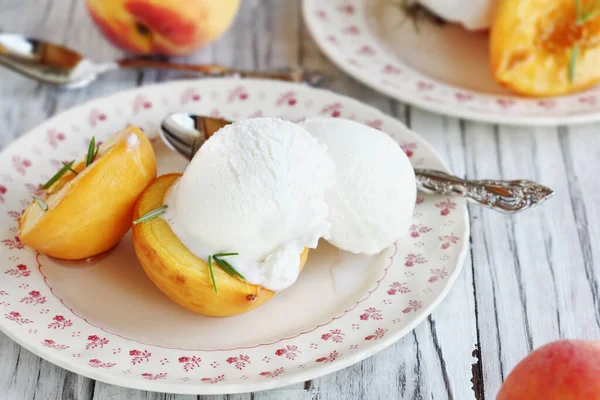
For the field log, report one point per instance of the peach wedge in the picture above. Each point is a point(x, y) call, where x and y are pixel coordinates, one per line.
point(88, 212)
point(181, 275)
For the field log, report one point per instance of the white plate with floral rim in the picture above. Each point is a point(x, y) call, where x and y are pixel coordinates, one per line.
point(441, 68)
point(108, 322)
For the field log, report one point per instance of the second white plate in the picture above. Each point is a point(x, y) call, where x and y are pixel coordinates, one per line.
point(443, 69)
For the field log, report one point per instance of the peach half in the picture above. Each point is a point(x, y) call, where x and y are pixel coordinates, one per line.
point(88, 213)
point(181, 275)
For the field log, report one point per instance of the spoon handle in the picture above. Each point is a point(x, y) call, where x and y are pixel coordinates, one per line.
point(504, 196)
point(298, 75)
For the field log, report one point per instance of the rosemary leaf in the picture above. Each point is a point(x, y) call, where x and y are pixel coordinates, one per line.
point(223, 266)
point(235, 271)
point(41, 203)
point(227, 267)
point(212, 275)
point(572, 63)
point(582, 16)
point(91, 152)
point(157, 212)
point(588, 16)
point(68, 165)
point(57, 176)
point(225, 254)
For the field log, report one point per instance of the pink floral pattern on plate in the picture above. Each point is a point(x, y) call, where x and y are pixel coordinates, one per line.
point(409, 286)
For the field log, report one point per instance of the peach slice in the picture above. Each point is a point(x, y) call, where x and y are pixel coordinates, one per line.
point(180, 274)
point(545, 48)
point(88, 213)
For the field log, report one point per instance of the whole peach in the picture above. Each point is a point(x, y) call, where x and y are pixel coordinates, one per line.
point(565, 370)
point(168, 27)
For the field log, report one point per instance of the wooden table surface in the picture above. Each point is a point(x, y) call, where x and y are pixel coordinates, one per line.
point(529, 279)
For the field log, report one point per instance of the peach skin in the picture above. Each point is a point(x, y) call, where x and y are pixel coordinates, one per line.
point(180, 274)
point(88, 213)
point(169, 27)
point(561, 370)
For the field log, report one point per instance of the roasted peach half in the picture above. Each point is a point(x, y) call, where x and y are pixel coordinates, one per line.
point(88, 213)
point(181, 275)
point(546, 47)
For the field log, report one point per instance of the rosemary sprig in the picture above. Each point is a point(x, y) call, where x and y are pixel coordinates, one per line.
point(68, 165)
point(57, 176)
point(225, 266)
point(416, 12)
point(581, 17)
point(212, 275)
point(584, 16)
point(573, 63)
point(91, 156)
point(41, 203)
point(588, 16)
point(157, 212)
point(92, 151)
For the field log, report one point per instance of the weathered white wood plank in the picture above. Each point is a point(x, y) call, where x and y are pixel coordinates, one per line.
point(454, 343)
point(530, 273)
point(18, 370)
point(503, 331)
point(110, 392)
point(580, 150)
point(18, 18)
point(57, 383)
point(551, 250)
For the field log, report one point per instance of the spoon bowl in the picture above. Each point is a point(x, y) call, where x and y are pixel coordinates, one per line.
point(46, 62)
point(186, 133)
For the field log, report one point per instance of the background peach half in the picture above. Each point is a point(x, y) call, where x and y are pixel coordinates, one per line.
point(180, 274)
point(88, 213)
point(169, 27)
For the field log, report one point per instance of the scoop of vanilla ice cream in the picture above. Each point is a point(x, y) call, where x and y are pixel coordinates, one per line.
point(256, 187)
point(472, 14)
point(372, 202)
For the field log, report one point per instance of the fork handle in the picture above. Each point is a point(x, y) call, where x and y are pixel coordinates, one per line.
point(500, 195)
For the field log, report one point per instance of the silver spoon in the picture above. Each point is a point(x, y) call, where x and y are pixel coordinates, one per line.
point(185, 133)
point(60, 66)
